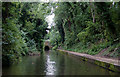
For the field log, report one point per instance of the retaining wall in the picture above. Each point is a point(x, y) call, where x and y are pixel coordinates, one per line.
point(107, 64)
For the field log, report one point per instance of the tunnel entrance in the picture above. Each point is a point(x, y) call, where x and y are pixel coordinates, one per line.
point(46, 48)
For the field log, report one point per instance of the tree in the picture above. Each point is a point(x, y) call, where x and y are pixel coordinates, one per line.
point(24, 29)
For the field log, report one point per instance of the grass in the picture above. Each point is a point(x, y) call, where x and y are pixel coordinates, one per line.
point(95, 48)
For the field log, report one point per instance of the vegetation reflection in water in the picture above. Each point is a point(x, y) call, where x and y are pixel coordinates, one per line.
point(55, 63)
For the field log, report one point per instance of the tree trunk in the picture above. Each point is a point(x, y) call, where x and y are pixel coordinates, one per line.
point(92, 11)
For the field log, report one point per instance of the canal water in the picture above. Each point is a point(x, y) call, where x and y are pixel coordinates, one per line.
point(54, 63)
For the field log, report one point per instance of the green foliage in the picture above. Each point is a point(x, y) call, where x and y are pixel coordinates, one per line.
point(13, 45)
point(81, 27)
point(113, 51)
point(88, 27)
point(24, 28)
point(83, 36)
point(54, 37)
point(55, 47)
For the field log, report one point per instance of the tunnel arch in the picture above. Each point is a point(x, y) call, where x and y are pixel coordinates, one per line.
point(46, 48)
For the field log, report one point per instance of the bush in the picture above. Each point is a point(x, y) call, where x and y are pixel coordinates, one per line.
point(83, 36)
point(55, 47)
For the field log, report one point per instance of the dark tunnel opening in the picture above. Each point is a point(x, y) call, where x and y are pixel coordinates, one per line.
point(46, 48)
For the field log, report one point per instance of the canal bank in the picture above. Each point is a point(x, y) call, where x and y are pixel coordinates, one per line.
point(110, 64)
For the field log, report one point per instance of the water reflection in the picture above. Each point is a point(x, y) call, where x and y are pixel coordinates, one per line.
point(55, 63)
point(50, 65)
